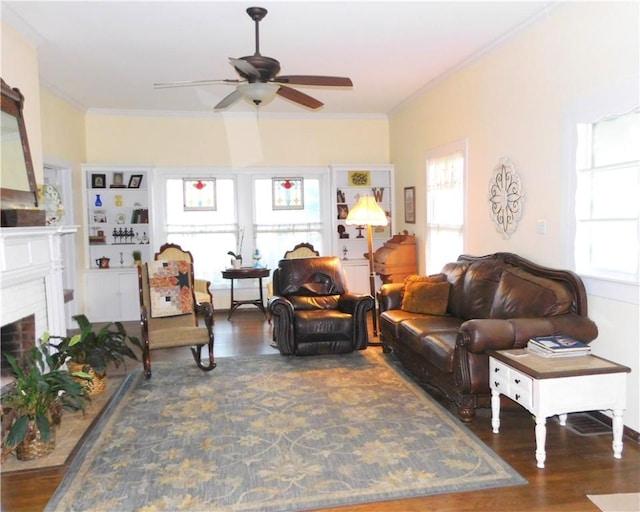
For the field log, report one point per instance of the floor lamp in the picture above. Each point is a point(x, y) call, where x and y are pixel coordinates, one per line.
point(368, 213)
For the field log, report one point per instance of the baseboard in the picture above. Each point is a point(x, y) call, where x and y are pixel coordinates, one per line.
point(627, 432)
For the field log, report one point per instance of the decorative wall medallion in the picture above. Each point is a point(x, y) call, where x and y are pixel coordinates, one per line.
point(506, 198)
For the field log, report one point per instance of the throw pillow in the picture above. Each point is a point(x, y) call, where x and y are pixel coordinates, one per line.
point(427, 298)
point(169, 288)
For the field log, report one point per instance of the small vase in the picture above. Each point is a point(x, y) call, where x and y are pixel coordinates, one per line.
point(98, 200)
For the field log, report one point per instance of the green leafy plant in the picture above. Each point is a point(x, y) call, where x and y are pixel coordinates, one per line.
point(40, 390)
point(235, 256)
point(96, 348)
point(137, 255)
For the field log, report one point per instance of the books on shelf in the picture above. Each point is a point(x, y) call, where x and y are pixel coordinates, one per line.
point(140, 216)
point(558, 346)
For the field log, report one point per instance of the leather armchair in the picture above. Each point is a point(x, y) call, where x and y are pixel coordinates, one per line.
point(313, 310)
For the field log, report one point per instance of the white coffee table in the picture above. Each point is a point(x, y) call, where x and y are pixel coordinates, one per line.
point(546, 387)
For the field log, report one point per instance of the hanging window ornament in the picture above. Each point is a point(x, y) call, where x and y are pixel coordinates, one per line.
point(199, 195)
point(287, 193)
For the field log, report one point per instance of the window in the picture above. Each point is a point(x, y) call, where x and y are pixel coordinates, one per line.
point(200, 231)
point(607, 211)
point(445, 205)
point(277, 231)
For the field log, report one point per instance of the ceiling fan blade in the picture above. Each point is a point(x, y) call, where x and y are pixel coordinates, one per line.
point(334, 81)
point(245, 67)
point(228, 100)
point(299, 97)
point(193, 83)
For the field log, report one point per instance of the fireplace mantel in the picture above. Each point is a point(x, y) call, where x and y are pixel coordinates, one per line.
point(31, 282)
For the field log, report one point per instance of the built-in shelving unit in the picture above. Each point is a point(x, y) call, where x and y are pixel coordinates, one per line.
point(117, 206)
point(349, 182)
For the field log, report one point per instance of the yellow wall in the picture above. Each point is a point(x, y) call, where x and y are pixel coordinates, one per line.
point(513, 102)
point(20, 69)
point(510, 103)
point(237, 142)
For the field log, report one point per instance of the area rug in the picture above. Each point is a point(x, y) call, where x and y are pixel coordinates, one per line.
point(272, 433)
point(629, 502)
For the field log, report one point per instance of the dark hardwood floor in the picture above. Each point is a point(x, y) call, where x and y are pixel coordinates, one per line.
point(576, 465)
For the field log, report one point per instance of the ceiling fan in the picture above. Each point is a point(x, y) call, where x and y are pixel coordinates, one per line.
point(259, 80)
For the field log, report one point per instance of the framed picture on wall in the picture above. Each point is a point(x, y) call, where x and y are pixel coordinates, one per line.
point(410, 205)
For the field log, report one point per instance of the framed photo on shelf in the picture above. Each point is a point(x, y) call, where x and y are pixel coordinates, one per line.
point(410, 205)
point(99, 216)
point(135, 181)
point(118, 180)
point(343, 211)
point(98, 181)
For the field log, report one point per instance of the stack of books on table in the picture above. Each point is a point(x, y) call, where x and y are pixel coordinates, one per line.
point(558, 346)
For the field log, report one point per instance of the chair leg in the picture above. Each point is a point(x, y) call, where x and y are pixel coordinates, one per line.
point(197, 355)
point(146, 362)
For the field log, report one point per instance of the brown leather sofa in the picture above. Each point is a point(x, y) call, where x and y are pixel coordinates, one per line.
point(313, 310)
point(442, 326)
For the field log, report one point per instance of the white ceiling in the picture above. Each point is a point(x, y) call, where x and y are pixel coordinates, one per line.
point(107, 55)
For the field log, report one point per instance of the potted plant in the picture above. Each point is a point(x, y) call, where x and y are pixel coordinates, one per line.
point(137, 258)
point(92, 350)
point(236, 259)
point(31, 409)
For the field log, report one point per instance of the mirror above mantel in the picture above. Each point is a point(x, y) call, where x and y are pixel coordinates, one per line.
point(18, 190)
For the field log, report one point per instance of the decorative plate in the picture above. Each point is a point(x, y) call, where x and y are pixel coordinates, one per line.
point(120, 219)
point(50, 198)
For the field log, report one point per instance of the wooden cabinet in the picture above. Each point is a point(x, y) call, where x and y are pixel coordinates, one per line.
point(117, 223)
point(396, 259)
point(349, 182)
point(112, 295)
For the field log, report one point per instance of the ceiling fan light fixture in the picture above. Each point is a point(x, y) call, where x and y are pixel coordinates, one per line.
point(259, 92)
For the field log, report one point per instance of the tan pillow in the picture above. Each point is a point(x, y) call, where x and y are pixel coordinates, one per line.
point(427, 298)
point(433, 278)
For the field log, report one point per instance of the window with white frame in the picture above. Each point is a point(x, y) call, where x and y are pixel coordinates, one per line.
point(445, 205)
point(279, 230)
point(607, 201)
point(207, 234)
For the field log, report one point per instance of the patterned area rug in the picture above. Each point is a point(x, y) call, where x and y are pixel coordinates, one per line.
point(273, 433)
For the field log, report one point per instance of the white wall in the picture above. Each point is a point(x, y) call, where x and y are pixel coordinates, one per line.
point(512, 102)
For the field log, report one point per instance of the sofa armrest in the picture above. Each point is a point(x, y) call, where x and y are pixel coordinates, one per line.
point(480, 335)
point(390, 296)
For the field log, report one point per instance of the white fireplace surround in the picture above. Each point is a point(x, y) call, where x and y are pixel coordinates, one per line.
point(31, 277)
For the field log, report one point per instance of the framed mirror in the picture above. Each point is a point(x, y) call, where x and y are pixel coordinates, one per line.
point(18, 190)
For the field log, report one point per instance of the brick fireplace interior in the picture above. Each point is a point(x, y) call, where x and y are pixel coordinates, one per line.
point(16, 338)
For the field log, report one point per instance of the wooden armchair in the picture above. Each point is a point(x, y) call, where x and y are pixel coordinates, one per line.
point(303, 250)
point(168, 312)
point(176, 253)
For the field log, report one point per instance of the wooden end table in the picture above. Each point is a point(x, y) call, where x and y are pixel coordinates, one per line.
point(550, 386)
point(246, 273)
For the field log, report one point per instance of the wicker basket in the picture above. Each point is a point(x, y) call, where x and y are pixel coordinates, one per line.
point(96, 385)
point(33, 447)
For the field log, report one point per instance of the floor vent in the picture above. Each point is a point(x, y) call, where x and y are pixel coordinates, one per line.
point(584, 424)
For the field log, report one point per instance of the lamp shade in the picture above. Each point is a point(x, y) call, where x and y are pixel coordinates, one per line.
point(367, 212)
point(259, 92)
